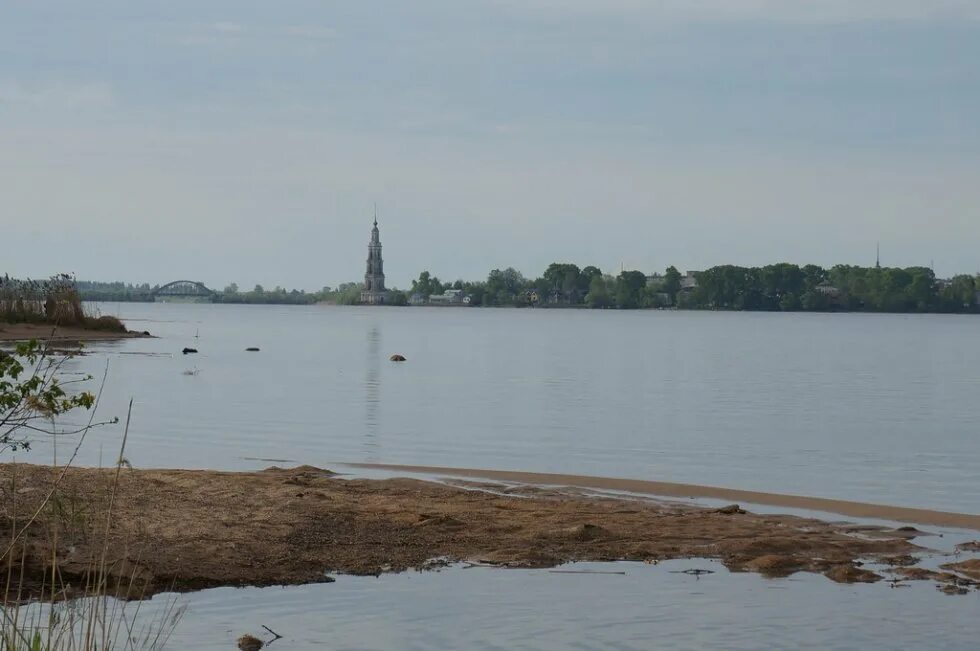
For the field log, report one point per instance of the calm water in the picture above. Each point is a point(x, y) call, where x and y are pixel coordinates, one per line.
point(865, 407)
point(878, 408)
point(647, 608)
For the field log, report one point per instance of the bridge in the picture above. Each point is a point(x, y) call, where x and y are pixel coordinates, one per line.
point(184, 289)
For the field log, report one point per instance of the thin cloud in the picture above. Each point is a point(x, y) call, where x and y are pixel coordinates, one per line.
point(793, 11)
point(311, 32)
point(57, 95)
point(229, 28)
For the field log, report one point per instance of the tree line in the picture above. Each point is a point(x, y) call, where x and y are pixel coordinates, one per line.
point(562, 284)
point(788, 287)
point(777, 287)
point(143, 293)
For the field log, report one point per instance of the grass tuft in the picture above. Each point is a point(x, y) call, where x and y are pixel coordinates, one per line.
point(90, 604)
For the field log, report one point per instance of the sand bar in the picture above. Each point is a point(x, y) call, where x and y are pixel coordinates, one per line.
point(192, 529)
point(671, 489)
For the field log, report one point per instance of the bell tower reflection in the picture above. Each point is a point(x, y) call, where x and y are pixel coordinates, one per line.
point(372, 401)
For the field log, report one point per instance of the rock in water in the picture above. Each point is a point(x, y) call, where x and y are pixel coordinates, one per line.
point(187, 351)
point(398, 358)
point(252, 349)
point(249, 643)
point(731, 509)
point(845, 573)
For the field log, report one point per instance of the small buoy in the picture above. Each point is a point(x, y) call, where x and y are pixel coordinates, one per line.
point(252, 349)
point(189, 350)
point(397, 358)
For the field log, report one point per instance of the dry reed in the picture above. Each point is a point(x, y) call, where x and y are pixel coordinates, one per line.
point(55, 301)
point(108, 615)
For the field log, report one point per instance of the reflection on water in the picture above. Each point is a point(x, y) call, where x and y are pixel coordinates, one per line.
point(372, 399)
point(877, 408)
point(650, 607)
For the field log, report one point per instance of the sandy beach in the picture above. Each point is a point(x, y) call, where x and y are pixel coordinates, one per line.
point(672, 489)
point(186, 530)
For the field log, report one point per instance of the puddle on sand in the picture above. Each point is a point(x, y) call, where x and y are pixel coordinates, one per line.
point(647, 607)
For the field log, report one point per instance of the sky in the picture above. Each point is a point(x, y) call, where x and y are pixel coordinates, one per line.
point(237, 141)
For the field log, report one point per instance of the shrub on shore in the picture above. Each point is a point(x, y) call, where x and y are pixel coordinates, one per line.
point(104, 323)
point(55, 301)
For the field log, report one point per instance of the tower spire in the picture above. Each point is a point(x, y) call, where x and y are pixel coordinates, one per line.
point(878, 255)
point(374, 277)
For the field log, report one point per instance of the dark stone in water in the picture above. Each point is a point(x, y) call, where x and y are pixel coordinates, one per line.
point(731, 509)
point(397, 358)
point(189, 350)
point(251, 349)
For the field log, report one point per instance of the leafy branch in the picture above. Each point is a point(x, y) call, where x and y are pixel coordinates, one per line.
point(33, 394)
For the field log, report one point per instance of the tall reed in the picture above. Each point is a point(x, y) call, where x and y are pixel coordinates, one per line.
point(101, 608)
point(55, 302)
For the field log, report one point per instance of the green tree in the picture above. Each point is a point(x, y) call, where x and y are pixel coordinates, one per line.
point(629, 285)
point(599, 294)
point(565, 279)
point(813, 275)
point(349, 294)
point(397, 297)
point(672, 283)
point(588, 273)
point(790, 302)
point(427, 285)
point(32, 395)
point(778, 281)
point(814, 301)
point(960, 294)
point(476, 292)
point(922, 291)
point(506, 287)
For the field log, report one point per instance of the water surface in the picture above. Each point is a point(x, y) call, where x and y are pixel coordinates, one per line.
point(877, 408)
point(649, 607)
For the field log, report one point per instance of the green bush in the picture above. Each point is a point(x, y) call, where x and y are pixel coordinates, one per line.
point(105, 323)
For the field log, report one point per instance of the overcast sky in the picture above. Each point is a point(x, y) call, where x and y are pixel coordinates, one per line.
point(247, 141)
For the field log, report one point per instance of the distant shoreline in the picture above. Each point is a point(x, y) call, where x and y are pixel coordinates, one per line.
point(556, 308)
point(47, 332)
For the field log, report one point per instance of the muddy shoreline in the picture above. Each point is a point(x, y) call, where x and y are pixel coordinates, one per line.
point(61, 334)
point(186, 530)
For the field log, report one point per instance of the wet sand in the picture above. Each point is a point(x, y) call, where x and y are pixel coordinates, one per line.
point(41, 332)
point(186, 530)
point(670, 489)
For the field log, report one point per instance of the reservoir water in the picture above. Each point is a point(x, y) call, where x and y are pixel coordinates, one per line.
point(878, 408)
point(646, 607)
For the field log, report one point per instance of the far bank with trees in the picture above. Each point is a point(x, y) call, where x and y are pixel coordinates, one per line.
point(782, 287)
point(779, 287)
